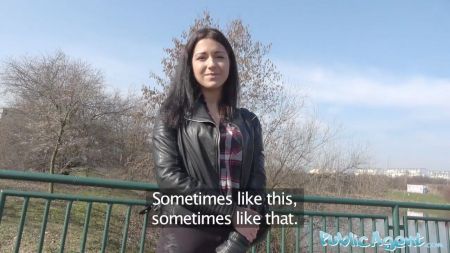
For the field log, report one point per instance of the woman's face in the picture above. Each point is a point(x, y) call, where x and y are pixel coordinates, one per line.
point(210, 64)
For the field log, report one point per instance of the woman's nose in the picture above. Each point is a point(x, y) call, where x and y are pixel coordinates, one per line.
point(211, 62)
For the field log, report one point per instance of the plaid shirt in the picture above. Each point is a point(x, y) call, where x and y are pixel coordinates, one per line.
point(230, 157)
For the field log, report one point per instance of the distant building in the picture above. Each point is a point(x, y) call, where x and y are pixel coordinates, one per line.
point(392, 172)
point(413, 172)
point(440, 174)
point(322, 171)
point(366, 172)
point(417, 188)
point(414, 213)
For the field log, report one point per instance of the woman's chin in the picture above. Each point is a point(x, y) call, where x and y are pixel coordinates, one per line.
point(212, 86)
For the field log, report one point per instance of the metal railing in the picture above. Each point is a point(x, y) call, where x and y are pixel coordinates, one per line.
point(302, 237)
point(70, 199)
point(388, 225)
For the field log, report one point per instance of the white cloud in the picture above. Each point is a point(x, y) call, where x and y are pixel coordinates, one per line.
point(403, 119)
point(342, 86)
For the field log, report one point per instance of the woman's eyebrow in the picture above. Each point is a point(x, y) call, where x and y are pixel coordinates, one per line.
point(215, 52)
point(199, 53)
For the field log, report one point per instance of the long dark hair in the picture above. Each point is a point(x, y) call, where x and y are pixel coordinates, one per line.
point(184, 89)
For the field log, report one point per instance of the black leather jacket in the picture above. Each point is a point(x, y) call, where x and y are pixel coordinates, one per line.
point(187, 162)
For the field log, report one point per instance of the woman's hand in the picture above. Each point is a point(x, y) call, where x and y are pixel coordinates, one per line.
point(248, 230)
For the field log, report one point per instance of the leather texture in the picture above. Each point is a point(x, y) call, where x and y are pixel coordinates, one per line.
point(236, 243)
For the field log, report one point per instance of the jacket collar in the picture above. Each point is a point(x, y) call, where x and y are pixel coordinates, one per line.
point(199, 112)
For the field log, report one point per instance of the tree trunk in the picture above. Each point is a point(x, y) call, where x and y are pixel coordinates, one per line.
point(55, 153)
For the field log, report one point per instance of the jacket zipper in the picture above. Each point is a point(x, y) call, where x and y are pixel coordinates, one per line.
point(218, 157)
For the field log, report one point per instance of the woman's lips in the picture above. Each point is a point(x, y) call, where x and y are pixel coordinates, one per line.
point(212, 76)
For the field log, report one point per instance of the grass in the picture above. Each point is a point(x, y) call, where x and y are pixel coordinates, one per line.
point(422, 198)
point(417, 197)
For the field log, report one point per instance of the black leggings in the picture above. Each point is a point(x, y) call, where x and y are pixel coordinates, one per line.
point(191, 239)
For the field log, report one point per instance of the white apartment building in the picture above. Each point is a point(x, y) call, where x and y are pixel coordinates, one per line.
point(412, 172)
point(366, 172)
point(440, 174)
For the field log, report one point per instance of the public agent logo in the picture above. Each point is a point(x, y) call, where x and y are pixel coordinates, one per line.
point(389, 243)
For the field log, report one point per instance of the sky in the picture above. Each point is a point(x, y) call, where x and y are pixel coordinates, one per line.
point(378, 69)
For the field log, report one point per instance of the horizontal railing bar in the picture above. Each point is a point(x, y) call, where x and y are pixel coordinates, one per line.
point(368, 202)
point(322, 214)
point(133, 185)
point(59, 196)
point(427, 218)
point(75, 180)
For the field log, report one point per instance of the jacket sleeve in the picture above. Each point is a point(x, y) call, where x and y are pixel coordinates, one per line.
point(171, 175)
point(257, 183)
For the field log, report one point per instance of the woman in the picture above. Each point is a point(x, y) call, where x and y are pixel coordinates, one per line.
point(204, 144)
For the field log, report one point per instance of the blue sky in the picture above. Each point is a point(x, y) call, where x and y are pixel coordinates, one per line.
point(380, 69)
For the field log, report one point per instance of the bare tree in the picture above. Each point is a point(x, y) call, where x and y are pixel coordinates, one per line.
point(134, 135)
point(63, 118)
point(51, 91)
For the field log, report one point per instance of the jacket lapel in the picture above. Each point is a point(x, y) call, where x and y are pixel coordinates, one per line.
point(199, 113)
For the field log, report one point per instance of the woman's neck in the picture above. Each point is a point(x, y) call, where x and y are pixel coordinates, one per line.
point(212, 98)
